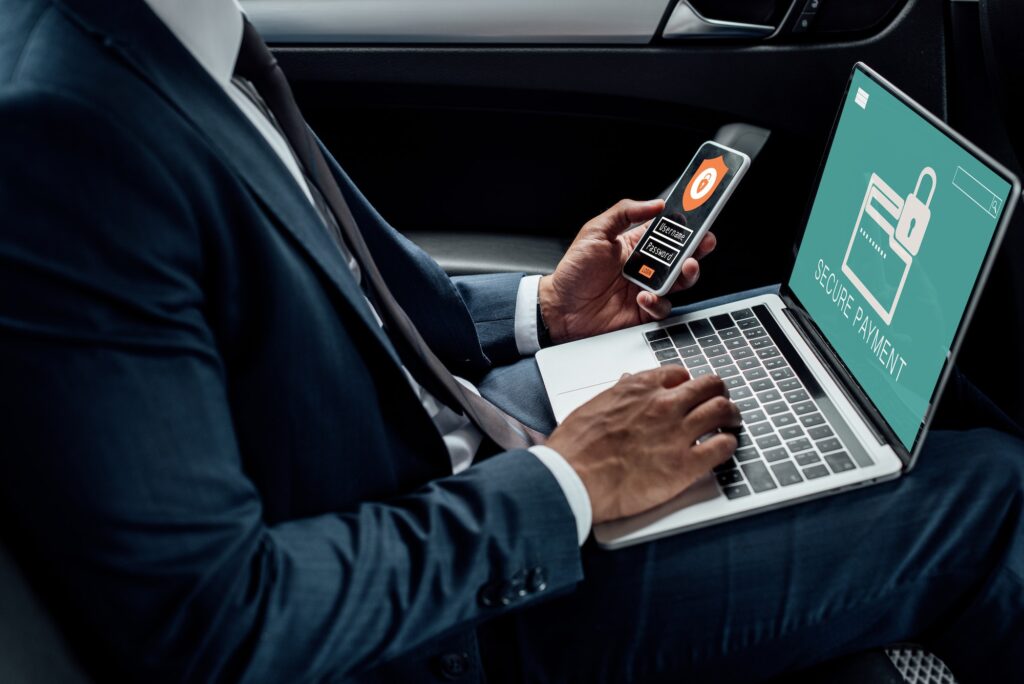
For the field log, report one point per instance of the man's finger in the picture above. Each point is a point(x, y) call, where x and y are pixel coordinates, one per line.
point(707, 246)
point(623, 215)
point(654, 306)
point(717, 412)
point(714, 450)
point(693, 393)
point(689, 274)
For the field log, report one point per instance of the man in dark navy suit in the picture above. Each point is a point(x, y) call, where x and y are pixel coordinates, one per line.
point(252, 433)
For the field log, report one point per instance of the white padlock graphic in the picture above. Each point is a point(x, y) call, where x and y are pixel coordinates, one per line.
point(915, 215)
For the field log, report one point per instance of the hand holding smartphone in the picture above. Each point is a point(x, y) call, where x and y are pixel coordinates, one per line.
point(693, 205)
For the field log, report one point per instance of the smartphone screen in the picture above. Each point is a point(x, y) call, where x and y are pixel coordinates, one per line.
point(692, 203)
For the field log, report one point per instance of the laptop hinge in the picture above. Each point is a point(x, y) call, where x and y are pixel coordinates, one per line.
point(872, 418)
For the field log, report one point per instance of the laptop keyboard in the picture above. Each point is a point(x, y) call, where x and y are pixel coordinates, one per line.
point(786, 438)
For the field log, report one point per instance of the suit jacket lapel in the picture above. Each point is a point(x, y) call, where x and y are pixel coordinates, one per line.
point(142, 40)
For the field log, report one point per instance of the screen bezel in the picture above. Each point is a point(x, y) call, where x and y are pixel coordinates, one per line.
point(908, 456)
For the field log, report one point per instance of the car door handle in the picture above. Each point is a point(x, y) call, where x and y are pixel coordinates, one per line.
point(686, 23)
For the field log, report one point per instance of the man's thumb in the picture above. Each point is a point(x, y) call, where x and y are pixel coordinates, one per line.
point(626, 213)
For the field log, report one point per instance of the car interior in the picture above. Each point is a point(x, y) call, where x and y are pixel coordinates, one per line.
point(488, 133)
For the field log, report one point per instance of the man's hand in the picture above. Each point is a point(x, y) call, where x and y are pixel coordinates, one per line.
point(587, 295)
point(634, 444)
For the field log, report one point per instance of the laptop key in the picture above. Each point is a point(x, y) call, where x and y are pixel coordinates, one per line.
point(700, 371)
point(761, 343)
point(776, 407)
point(743, 440)
point(728, 371)
point(756, 373)
point(791, 432)
point(747, 323)
point(777, 454)
point(720, 361)
point(708, 340)
point(728, 465)
point(656, 334)
point(796, 395)
point(806, 458)
point(777, 362)
point(789, 385)
point(820, 432)
point(715, 350)
point(747, 364)
point(734, 382)
point(680, 334)
point(831, 444)
point(746, 454)
point(736, 491)
point(761, 385)
point(664, 343)
point(761, 429)
point(742, 313)
point(839, 462)
point(746, 404)
point(781, 374)
point(729, 477)
point(804, 407)
point(768, 441)
point(666, 354)
point(744, 353)
point(751, 417)
point(768, 352)
point(769, 396)
point(689, 350)
point(729, 333)
point(802, 444)
point(701, 328)
point(672, 362)
point(812, 419)
point(696, 360)
point(754, 333)
point(741, 392)
point(721, 321)
point(787, 474)
point(758, 476)
point(735, 343)
point(814, 472)
point(783, 419)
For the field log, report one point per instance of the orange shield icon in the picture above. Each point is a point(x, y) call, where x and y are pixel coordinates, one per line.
point(703, 184)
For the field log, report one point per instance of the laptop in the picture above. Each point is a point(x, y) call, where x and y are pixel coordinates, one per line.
point(837, 376)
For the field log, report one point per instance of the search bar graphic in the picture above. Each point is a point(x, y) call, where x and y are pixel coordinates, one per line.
point(976, 191)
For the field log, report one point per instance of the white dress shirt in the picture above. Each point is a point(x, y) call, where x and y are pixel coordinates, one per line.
point(211, 30)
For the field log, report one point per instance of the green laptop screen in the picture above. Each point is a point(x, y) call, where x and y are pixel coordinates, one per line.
point(895, 240)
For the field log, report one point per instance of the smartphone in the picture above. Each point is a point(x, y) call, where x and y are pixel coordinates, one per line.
point(692, 206)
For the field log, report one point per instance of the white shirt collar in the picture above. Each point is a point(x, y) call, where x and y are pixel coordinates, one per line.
point(210, 29)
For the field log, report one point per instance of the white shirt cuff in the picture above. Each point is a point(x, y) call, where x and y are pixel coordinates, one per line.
point(526, 315)
point(572, 486)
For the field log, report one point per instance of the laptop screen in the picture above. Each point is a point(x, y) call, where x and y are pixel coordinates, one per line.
point(896, 237)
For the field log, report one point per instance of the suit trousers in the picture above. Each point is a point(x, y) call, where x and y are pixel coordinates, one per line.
point(935, 557)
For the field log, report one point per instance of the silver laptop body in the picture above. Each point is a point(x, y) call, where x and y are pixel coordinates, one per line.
point(812, 426)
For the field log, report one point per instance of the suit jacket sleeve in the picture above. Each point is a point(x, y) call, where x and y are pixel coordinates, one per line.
point(124, 481)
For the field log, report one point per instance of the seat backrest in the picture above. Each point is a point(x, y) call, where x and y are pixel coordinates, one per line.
point(1001, 24)
point(32, 650)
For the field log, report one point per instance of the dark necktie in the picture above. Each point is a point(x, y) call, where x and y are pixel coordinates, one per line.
point(259, 67)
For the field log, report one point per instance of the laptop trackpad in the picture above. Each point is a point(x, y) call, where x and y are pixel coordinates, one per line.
point(704, 489)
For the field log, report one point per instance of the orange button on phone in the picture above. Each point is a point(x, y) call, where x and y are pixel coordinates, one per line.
point(646, 271)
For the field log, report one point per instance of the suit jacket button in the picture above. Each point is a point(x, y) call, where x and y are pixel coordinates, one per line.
point(488, 595)
point(452, 666)
point(518, 584)
point(536, 580)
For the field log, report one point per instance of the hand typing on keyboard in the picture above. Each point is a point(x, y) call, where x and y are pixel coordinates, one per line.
point(634, 445)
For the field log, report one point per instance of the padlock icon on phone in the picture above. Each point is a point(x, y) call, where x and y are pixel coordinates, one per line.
point(914, 218)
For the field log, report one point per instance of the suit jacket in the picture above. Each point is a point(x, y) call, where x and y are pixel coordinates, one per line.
point(213, 467)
